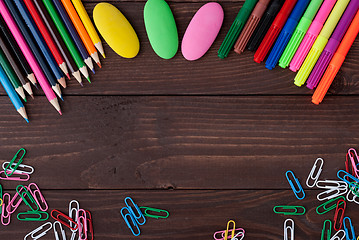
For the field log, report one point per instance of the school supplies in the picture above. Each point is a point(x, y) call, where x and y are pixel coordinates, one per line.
point(289, 210)
point(82, 223)
point(354, 159)
point(134, 214)
point(202, 31)
point(317, 167)
point(331, 193)
point(329, 184)
point(351, 196)
point(297, 188)
point(73, 210)
point(274, 30)
point(161, 28)
point(320, 43)
point(160, 213)
point(339, 215)
point(348, 228)
point(327, 230)
point(311, 35)
point(299, 33)
point(10, 169)
point(288, 227)
point(340, 235)
point(43, 228)
point(219, 235)
point(5, 214)
point(327, 207)
point(116, 30)
point(250, 26)
point(286, 33)
point(236, 28)
point(336, 61)
point(227, 230)
point(56, 214)
point(62, 231)
point(38, 197)
point(332, 44)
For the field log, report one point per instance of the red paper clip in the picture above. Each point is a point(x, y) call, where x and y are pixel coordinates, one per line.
point(60, 214)
point(337, 210)
point(89, 225)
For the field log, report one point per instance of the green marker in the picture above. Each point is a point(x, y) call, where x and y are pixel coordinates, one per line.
point(236, 28)
point(66, 37)
point(299, 33)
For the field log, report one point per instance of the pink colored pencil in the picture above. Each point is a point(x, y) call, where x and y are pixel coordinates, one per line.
point(29, 56)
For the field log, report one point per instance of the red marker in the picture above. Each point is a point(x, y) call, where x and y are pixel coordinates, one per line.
point(274, 30)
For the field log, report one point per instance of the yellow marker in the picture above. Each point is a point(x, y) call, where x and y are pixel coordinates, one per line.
point(88, 25)
point(116, 30)
point(320, 42)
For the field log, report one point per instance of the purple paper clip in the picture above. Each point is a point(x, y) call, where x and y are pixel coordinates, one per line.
point(5, 216)
point(37, 195)
point(3, 176)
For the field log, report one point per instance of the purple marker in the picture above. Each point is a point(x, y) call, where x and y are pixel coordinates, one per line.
point(332, 44)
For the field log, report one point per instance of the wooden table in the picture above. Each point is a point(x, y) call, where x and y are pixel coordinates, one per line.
point(208, 140)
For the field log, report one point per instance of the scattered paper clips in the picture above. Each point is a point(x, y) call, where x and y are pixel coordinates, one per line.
point(14, 170)
point(231, 233)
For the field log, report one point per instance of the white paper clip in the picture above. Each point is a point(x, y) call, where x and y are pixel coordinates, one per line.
point(331, 193)
point(240, 234)
point(336, 236)
point(314, 168)
point(43, 233)
point(289, 227)
point(22, 166)
point(73, 210)
point(330, 184)
point(63, 234)
point(354, 197)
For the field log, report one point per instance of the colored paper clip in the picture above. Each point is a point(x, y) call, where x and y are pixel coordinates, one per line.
point(155, 210)
point(24, 193)
point(63, 234)
point(139, 213)
point(347, 175)
point(23, 166)
point(339, 214)
point(56, 214)
point(37, 195)
point(293, 210)
point(314, 169)
point(337, 236)
point(1, 202)
point(33, 216)
point(327, 230)
point(325, 205)
point(226, 233)
point(351, 193)
point(89, 225)
point(5, 215)
point(237, 235)
point(11, 208)
point(297, 188)
point(330, 184)
point(37, 231)
point(289, 227)
point(136, 232)
point(353, 156)
point(73, 215)
point(82, 222)
point(350, 234)
point(19, 177)
point(331, 193)
point(354, 188)
point(238, 231)
point(8, 172)
point(1, 197)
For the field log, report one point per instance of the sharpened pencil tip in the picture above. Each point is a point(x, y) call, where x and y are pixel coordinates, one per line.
point(27, 120)
point(93, 70)
point(61, 98)
point(81, 84)
point(99, 64)
point(68, 76)
point(60, 112)
point(24, 99)
point(32, 96)
point(88, 79)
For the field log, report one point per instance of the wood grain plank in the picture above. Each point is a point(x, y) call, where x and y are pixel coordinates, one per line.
point(179, 142)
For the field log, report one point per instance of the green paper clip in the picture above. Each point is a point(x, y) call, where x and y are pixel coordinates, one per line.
point(329, 230)
point(295, 210)
point(24, 193)
point(41, 216)
point(327, 209)
point(155, 210)
point(12, 162)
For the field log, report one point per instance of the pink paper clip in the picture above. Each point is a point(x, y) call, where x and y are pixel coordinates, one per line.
point(82, 222)
point(17, 177)
point(5, 216)
point(11, 208)
point(353, 155)
point(37, 195)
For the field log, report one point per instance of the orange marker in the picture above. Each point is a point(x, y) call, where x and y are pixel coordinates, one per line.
point(81, 30)
point(337, 61)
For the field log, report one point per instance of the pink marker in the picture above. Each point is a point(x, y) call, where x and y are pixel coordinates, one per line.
point(29, 56)
point(311, 35)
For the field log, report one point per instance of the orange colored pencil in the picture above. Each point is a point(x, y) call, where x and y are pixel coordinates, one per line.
point(81, 31)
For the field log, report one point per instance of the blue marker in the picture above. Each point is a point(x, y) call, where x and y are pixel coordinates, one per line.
point(286, 33)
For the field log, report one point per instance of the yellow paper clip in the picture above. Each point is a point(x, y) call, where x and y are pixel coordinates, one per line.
point(233, 229)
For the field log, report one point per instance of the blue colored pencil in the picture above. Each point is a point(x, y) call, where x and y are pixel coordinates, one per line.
point(75, 37)
point(27, 35)
point(5, 82)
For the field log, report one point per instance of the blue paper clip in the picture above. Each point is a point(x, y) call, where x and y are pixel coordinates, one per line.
point(350, 236)
point(137, 215)
point(347, 175)
point(134, 222)
point(294, 188)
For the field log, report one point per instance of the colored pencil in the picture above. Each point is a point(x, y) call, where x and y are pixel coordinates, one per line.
point(12, 95)
point(29, 56)
point(81, 31)
point(75, 37)
point(89, 26)
point(58, 40)
point(9, 55)
point(40, 43)
point(6, 35)
point(47, 37)
point(66, 37)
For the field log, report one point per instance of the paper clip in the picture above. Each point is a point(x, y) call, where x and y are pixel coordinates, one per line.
point(11, 208)
point(289, 226)
point(313, 170)
point(73, 214)
point(1, 202)
point(155, 210)
point(348, 167)
point(330, 184)
point(37, 195)
point(296, 189)
point(350, 192)
point(6, 170)
point(354, 188)
point(1, 197)
point(63, 234)
point(23, 166)
point(139, 213)
point(331, 193)
point(5, 215)
point(82, 222)
point(353, 155)
point(133, 220)
point(337, 217)
point(238, 234)
point(56, 214)
point(336, 236)
point(238, 231)
point(24, 193)
point(20, 177)
point(89, 225)
point(326, 231)
point(325, 205)
point(33, 216)
point(37, 230)
point(351, 235)
point(346, 175)
point(227, 230)
point(293, 210)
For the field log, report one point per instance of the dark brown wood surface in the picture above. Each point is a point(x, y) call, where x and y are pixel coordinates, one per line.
point(209, 140)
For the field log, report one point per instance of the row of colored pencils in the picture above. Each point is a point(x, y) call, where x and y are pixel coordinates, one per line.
point(45, 41)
